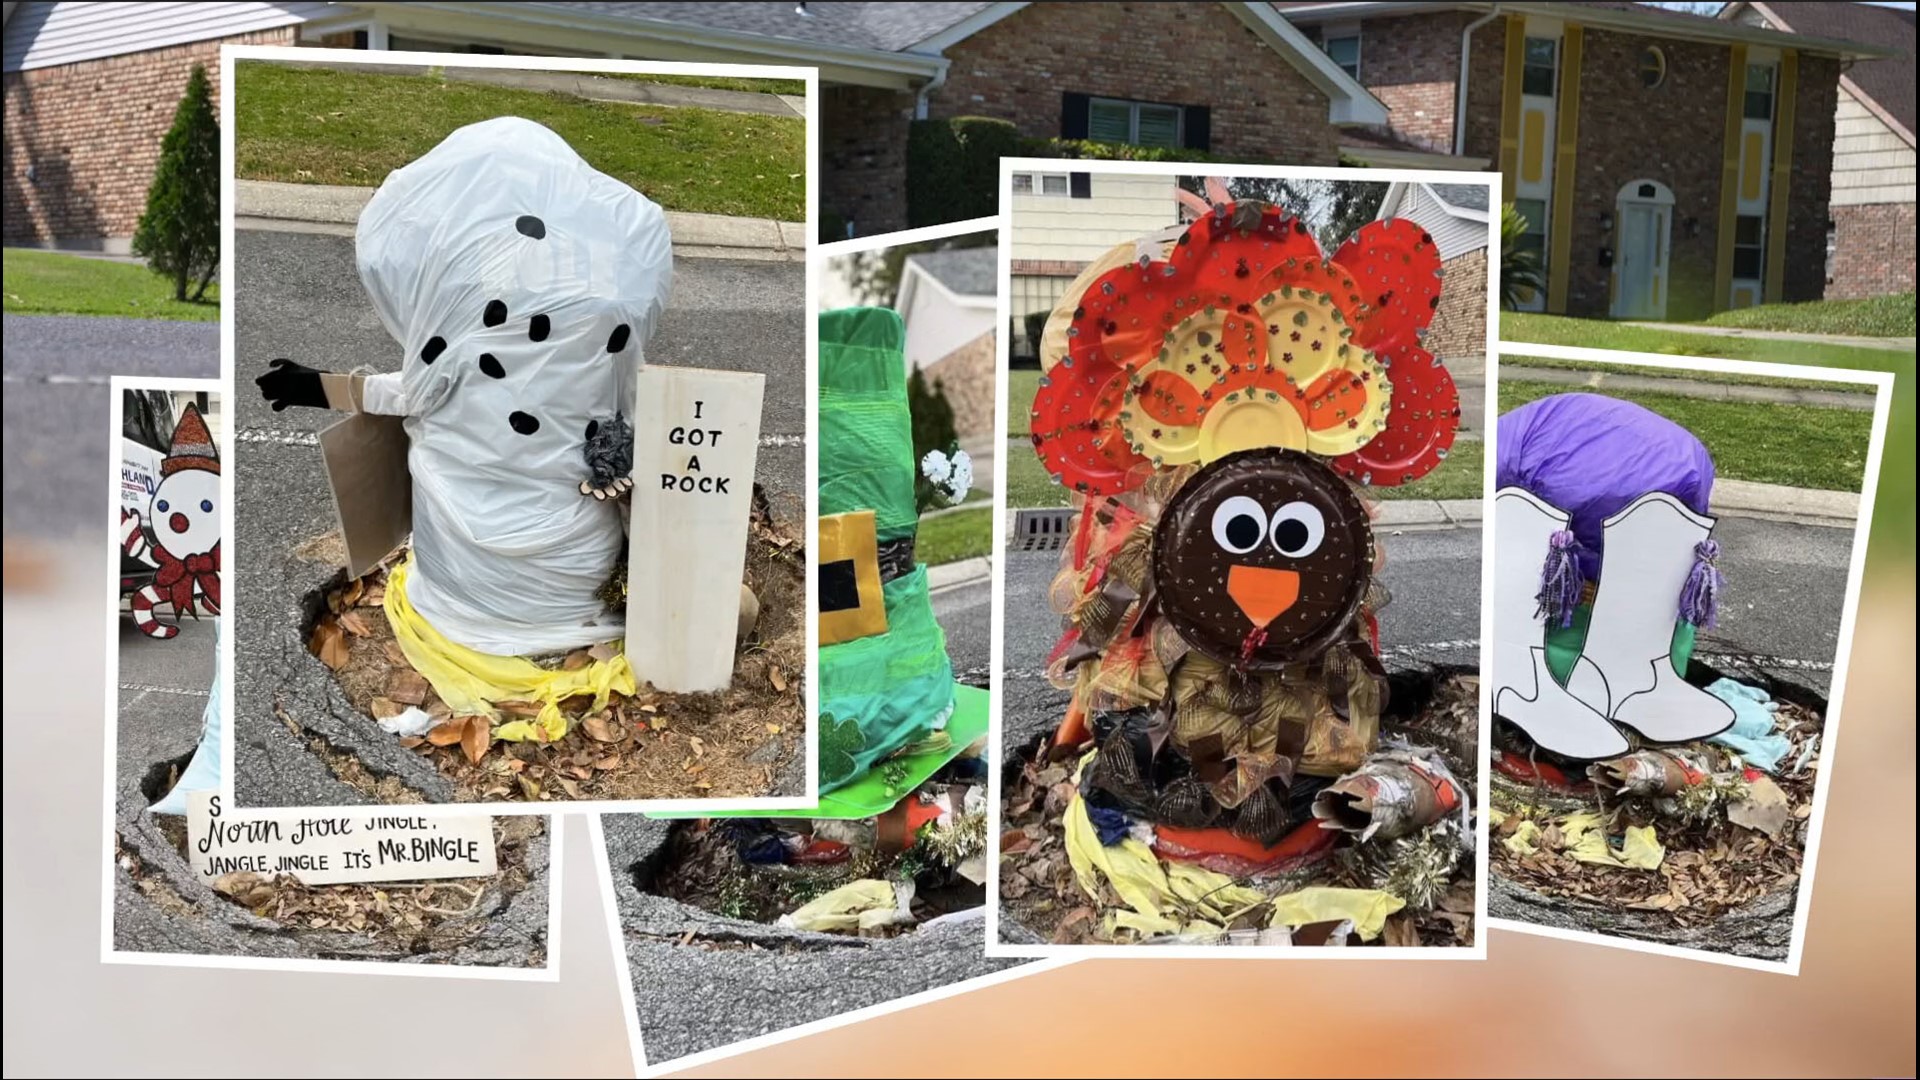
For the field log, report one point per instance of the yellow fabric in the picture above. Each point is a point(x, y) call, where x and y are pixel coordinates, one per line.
point(857, 905)
point(1525, 837)
point(1585, 838)
point(1367, 909)
point(1164, 898)
point(471, 682)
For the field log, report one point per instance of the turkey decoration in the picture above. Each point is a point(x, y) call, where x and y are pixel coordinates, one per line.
point(1219, 414)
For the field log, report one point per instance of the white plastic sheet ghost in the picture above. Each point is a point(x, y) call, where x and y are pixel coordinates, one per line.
point(523, 285)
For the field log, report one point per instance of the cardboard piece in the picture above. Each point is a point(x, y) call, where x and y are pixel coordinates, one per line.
point(696, 440)
point(1524, 691)
point(852, 597)
point(332, 846)
point(366, 459)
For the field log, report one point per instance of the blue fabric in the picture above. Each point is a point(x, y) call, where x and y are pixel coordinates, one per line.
point(1111, 825)
point(1591, 455)
point(1752, 735)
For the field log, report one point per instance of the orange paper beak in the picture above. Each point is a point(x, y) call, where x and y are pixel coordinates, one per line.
point(1263, 594)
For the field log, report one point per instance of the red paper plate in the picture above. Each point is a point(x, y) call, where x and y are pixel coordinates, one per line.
point(1421, 424)
point(1075, 432)
point(1397, 268)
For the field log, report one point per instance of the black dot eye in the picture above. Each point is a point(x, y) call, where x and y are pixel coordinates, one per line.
point(496, 313)
point(435, 346)
point(593, 429)
point(524, 424)
point(528, 225)
point(1239, 524)
point(491, 366)
point(619, 339)
point(539, 327)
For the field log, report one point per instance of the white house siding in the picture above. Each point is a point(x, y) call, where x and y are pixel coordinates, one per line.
point(1452, 234)
point(1122, 208)
point(1871, 162)
point(48, 35)
point(937, 322)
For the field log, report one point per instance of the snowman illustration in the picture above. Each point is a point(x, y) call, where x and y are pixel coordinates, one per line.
point(181, 538)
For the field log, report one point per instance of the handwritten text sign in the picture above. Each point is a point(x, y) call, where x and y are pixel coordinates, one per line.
point(328, 847)
point(696, 437)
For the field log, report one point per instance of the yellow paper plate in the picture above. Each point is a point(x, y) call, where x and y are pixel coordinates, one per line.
point(1248, 419)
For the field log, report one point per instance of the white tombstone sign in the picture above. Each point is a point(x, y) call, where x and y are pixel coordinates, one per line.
point(696, 437)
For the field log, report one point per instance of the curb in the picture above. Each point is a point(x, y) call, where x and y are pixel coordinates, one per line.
point(964, 572)
point(333, 210)
point(1777, 502)
point(1851, 341)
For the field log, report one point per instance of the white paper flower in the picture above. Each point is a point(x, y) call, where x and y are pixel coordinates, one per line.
point(961, 480)
point(936, 467)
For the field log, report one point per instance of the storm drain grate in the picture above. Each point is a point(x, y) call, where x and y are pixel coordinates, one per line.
point(1041, 530)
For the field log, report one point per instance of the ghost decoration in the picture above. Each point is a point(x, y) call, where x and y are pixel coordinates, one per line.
point(522, 286)
point(182, 537)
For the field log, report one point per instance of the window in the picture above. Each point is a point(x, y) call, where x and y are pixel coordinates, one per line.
point(1537, 66)
point(1138, 123)
point(1535, 238)
point(1344, 49)
point(1053, 184)
point(1759, 92)
point(1749, 246)
point(1653, 67)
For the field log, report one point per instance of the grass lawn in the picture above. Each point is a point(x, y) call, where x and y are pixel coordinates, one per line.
point(318, 126)
point(48, 283)
point(1878, 316)
point(794, 87)
point(1022, 384)
point(962, 534)
point(1796, 445)
point(1894, 523)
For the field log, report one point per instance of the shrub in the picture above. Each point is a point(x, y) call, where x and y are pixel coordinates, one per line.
point(179, 234)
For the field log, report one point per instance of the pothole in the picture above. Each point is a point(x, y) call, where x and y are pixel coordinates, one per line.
point(1430, 870)
point(741, 742)
point(921, 863)
point(1714, 878)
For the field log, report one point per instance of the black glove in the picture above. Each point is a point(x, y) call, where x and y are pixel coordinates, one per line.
point(287, 383)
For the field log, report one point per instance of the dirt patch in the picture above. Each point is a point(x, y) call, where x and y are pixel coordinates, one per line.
point(651, 745)
point(1437, 709)
point(423, 919)
point(1713, 869)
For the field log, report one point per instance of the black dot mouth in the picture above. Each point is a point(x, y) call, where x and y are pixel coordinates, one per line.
point(593, 428)
point(523, 423)
point(496, 313)
point(528, 225)
point(539, 327)
point(491, 367)
point(619, 339)
point(433, 349)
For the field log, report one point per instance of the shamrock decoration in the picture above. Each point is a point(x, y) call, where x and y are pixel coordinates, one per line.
point(840, 744)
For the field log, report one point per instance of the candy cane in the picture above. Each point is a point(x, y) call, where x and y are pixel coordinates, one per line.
point(143, 602)
point(133, 537)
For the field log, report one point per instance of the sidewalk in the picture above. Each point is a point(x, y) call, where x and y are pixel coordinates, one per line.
point(1775, 395)
point(266, 205)
point(1896, 344)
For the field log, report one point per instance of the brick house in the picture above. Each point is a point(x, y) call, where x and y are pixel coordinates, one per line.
point(1870, 250)
point(1667, 163)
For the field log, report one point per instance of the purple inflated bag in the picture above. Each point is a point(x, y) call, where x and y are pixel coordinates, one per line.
point(1591, 456)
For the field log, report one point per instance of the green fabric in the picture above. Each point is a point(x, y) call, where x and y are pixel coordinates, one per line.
point(1564, 644)
point(872, 794)
point(880, 693)
point(866, 432)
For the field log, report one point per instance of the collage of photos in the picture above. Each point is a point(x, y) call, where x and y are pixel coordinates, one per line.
point(966, 513)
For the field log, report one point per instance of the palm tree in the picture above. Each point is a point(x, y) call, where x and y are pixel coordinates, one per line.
point(1521, 275)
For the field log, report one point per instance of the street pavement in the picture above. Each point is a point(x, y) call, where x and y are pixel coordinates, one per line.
point(302, 299)
point(163, 693)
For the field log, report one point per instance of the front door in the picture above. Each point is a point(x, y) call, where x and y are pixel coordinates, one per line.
point(1640, 267)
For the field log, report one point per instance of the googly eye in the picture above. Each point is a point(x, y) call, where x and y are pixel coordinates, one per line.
point(1239, 524)
point(1298, 528)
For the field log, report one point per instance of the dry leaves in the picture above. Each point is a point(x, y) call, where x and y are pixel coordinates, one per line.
point(778, 678)
point(329, 643)
point(408, 687)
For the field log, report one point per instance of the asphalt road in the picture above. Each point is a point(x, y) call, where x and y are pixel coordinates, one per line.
point(59, 403)
point(163, 693)
point(301, 298)
point(965, 613)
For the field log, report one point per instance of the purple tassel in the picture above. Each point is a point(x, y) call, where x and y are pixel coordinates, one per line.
point(1700, 598)
point(1560, 580)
